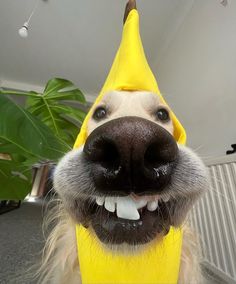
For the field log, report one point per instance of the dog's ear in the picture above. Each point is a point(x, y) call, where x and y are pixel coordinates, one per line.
point(129, 6)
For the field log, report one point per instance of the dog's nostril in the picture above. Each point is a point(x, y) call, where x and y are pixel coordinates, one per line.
point(106, 154)
point(110, 158)
point(156, 155)
point(152, 157)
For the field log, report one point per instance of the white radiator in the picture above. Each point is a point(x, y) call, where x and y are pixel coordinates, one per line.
point(214, 218)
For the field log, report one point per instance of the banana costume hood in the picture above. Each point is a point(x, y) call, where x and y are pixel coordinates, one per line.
point(159, 262)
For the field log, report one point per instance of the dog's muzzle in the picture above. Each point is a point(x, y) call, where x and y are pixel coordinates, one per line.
point(130, 155)
point(131, 182)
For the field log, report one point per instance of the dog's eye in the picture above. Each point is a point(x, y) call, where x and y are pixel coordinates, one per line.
point(100, 113)
point(163, 115)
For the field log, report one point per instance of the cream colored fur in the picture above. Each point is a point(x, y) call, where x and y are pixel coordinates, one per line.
point(137, 103)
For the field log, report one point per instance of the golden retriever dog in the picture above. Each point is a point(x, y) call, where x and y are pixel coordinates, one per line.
point(129, 184)
point(130, 136)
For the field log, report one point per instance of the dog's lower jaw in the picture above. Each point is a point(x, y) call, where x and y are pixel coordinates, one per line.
point(61, 266)
point(83, 212)
point(113, 231)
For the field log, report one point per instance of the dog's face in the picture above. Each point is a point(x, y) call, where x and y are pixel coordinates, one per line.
point(130, 181)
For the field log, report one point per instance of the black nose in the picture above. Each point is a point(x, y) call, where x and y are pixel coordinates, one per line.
point(131, 154)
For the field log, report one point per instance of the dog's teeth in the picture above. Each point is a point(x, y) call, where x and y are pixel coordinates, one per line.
point(126, 208)
point(100, 200)
point(140, 203)
point(165, 198)
point(152, 205)
point(110, 204)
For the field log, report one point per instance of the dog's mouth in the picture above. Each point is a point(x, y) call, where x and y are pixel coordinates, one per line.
point(131, 220)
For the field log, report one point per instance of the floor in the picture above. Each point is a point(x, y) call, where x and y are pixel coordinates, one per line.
point(20, 242)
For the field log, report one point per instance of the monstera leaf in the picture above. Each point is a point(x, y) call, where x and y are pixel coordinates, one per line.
point(51, 108)
point(21, 132)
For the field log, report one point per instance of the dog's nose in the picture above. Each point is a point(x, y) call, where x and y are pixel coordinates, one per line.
point(130, 154)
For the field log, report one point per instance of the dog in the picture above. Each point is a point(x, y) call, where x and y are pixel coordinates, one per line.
point(130, 137)
point(128, 185)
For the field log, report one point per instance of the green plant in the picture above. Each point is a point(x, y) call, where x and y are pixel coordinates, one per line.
point(43, 130)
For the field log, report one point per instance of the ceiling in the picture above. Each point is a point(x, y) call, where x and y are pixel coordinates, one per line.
point(77, 39)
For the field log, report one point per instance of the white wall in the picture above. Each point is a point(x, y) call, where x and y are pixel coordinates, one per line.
point(197, 74)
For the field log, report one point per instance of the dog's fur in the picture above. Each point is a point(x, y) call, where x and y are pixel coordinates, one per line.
point(73, 183)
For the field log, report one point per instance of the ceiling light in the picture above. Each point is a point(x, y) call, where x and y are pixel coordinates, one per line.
point(23, 31)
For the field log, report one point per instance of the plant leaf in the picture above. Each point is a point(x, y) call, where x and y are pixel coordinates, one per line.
point(27, 133)
point(50, 108)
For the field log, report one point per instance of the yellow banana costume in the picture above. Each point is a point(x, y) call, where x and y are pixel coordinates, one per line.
point(160, 261)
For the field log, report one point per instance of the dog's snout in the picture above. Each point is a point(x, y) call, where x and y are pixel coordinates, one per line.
point(131, 154)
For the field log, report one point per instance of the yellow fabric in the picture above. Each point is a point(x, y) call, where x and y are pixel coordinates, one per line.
point(159, 263)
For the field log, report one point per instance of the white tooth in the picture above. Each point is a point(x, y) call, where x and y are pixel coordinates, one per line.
point(140, 203)
point(165, 198)
point(152, 205)
point(126, 208)
point(110, 204)
point(100, 200)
